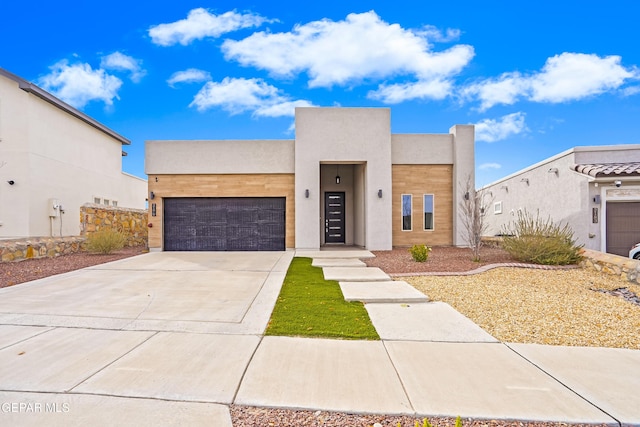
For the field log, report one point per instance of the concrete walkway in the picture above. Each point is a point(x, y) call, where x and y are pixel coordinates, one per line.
point(173, 338)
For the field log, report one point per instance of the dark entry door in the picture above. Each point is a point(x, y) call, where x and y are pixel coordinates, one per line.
point(334, 217)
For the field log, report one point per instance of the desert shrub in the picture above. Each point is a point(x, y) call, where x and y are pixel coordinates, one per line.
point(532, 239)
point(420, 253)
point(105, 241)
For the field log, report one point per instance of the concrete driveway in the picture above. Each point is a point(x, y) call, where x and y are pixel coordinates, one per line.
point(176, 328)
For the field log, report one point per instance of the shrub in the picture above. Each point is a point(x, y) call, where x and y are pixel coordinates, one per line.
point(540, 241)
point(420, 253)
point(105, 241)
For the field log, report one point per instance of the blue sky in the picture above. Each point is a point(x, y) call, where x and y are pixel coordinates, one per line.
point(536, 78)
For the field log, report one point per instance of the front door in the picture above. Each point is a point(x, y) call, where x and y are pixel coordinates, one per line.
point(334, 217)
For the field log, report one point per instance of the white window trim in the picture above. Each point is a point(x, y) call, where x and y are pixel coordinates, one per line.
point(433, 212)
point(497, 208)
point(402, 212)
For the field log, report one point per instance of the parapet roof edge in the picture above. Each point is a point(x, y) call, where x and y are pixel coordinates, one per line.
point(578, 149)
point(46, 96)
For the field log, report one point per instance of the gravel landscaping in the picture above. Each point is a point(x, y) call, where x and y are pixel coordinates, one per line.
point(560, 307)
point(13, 273)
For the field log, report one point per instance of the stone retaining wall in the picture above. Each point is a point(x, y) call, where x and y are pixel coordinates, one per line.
point(39, 247)
point(615, 265)
point(131, 222)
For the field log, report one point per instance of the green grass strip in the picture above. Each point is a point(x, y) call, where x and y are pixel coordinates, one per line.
point(309, 306)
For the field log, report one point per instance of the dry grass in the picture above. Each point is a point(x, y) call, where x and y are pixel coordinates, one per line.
point(543, 307)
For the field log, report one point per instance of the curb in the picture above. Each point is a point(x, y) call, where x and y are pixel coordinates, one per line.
point(487, 267)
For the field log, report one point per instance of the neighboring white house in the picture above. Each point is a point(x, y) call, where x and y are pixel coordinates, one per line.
point(54, 159)
point(344, 180)
point(596, 190)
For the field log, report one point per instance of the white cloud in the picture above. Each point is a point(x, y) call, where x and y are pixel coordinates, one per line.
point(490, 130)
point(486, 166)
point(78, 84)
point(199, 24)
point(361, 47)
point(240, 95)
point(396, 93)
point(122, 62)
point(631, 90)
point(565, 77)
point(191, 75)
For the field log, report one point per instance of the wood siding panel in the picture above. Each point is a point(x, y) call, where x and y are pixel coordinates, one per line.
point(241, 185)
point(419, 180)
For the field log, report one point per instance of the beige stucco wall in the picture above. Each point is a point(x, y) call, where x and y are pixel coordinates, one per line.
point(219, 156)
point(349, 136)
point(422, 149)
point(52, 155)
point(229, 185)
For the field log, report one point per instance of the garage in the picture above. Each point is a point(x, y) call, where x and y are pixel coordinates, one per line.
point(224, 224)
point(623, 227)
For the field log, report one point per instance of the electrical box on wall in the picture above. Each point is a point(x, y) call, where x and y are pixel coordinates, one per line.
point(54, 207)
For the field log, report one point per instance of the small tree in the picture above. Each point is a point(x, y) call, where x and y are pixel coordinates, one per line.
point(473, 212)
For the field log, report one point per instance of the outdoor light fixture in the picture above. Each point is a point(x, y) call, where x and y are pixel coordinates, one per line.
point(11, 182)
point(553, 170)
point(466, 195)
point(380, 194)
point(152, 195)
point(306, 193)
point(337, 174)
point(525, 180)
point(505, 188)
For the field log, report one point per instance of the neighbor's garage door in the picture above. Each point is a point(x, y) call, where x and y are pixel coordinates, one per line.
point(623, 227)
point(224, 224)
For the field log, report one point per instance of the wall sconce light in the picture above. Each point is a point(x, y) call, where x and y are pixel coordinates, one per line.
point(306, 193)
point(337, 174)
point(553, 170)
point(505, 188)
point(156, 179)
point(466, 195)
point(11, 182)
point(152, 195)
point(525, 180)
point(380, 194)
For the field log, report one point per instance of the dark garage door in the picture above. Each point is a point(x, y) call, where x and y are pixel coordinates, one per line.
point(224, 224)
point(623, 227)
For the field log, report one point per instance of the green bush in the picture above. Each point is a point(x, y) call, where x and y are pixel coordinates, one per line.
point(420, 253)
point(105, 241)
point(540, 241)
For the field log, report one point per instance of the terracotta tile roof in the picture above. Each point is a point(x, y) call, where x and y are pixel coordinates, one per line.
point(601, 170)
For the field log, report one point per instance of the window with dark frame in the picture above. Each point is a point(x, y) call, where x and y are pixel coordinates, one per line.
point(428, 211)
point(407, 202)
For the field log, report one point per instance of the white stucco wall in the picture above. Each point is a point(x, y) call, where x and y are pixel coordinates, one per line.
point(347, 135)
point(219, 156)
point(51, 154)
point(566, 196)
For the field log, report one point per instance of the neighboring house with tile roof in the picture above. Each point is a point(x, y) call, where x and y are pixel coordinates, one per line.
point(53, 159)
point(596, 190)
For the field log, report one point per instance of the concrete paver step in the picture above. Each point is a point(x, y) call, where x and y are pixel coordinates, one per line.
point(350, 253)
point(337, 262)
point(391, 291)
point(351, 274)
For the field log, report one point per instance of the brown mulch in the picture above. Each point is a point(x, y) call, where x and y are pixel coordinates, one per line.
point(12, 273)
point(441, 259)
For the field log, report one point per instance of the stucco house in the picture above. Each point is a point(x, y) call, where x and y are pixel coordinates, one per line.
point(54, 159)
point(596, 190)
point(344, 180)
